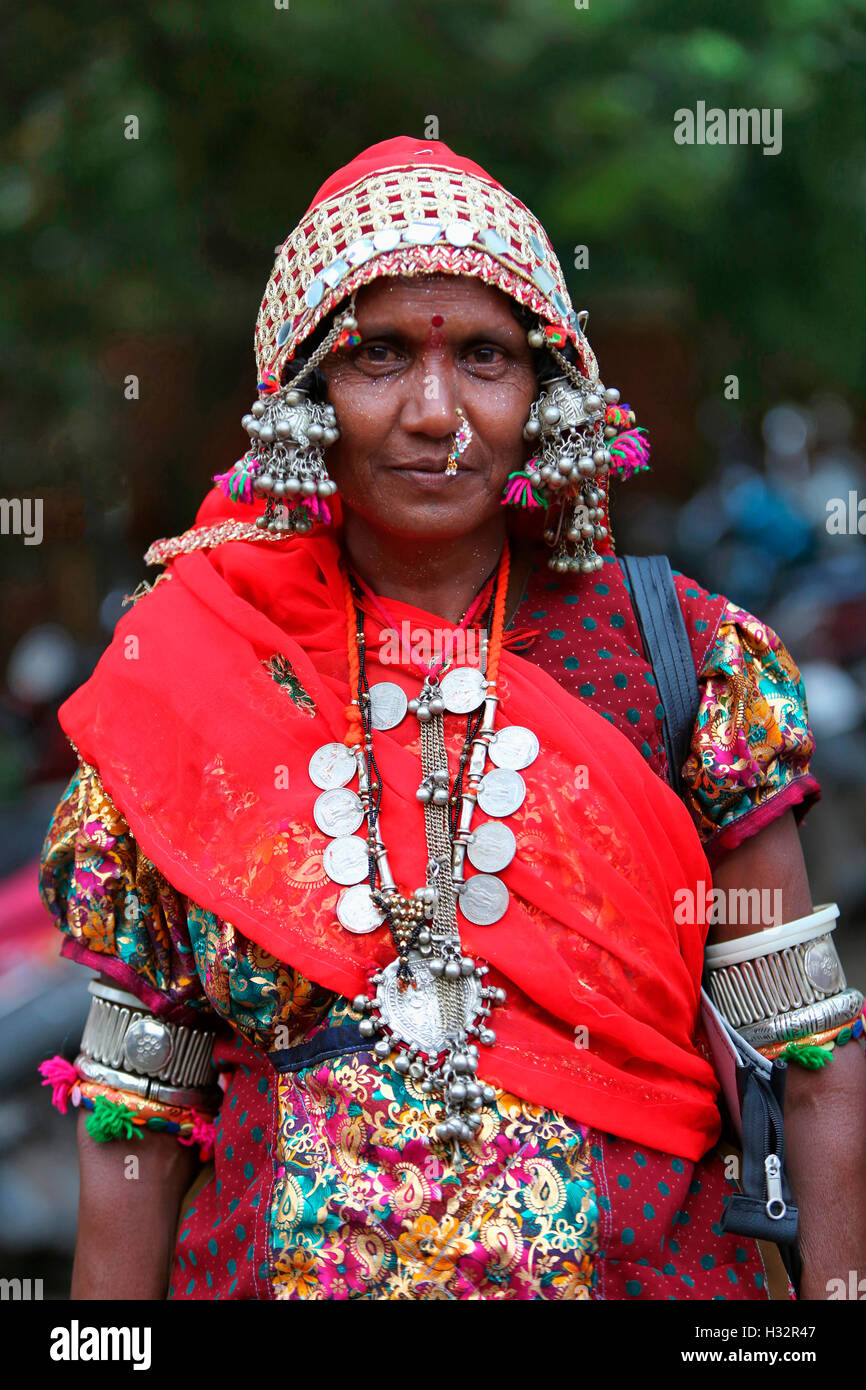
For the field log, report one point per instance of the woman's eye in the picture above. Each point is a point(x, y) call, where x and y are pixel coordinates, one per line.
point(374, 352)
point(485, 355)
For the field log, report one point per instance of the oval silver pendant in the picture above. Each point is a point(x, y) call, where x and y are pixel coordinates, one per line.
point(338, 811)
point(501, 791)
point(492, 847)
point(388, 705)
point(484, 900)
point(513, 746)
point(357, 912)
point(463, 689)
point(429, 1014)
point(332, 765)
point(345, 859)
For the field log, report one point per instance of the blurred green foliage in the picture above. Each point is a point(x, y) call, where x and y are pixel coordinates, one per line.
point(244, 109)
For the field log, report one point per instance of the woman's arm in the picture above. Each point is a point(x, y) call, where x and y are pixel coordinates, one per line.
point(130, 1195)
point(825, 1110)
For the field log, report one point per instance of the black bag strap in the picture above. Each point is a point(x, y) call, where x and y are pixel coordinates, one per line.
point(668, 650)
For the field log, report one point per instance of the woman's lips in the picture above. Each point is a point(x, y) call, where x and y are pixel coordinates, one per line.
point(431, 477)
point(422, 466)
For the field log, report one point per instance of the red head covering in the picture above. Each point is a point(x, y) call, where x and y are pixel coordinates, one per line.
point(401, 152)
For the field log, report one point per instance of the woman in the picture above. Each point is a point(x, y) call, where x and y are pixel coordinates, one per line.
point(378, 808)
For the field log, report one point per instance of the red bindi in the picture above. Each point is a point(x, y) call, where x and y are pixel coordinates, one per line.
point(437, 320)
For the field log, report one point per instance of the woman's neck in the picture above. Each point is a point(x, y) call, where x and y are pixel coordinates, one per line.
point(442, 577)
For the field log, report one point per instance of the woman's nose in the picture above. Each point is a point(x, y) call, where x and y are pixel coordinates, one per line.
point(432, 401)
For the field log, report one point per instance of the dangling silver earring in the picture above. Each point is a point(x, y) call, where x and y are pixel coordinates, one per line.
point(289, 433)
point(567, 425)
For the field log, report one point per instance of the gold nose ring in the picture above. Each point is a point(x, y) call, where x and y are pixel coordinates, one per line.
point(462, 436)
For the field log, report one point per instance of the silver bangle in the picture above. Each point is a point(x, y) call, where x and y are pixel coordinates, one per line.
point(121, 1035)
point(775, 971)
point(146, 1088)
point(800, 1023)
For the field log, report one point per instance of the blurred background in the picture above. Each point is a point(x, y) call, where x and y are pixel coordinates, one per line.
point(147, 257)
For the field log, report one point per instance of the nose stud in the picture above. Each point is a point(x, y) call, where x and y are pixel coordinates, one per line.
point(462, 437)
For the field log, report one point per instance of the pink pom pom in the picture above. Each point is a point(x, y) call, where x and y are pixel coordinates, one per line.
point(61, 1076)
point(631, 451)
point(520, 492)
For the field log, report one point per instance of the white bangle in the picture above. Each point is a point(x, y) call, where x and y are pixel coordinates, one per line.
point(818, 923)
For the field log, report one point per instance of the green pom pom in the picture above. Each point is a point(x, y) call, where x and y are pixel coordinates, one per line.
point(109, 1120)
point(809, 1056)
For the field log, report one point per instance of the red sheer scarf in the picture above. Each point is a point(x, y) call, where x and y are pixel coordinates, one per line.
point(206, 754)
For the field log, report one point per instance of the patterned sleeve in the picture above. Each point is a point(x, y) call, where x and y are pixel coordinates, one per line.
point(119, 915)
point(752, 744)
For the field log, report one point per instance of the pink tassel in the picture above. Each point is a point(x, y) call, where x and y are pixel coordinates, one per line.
point(237, 483)
point(317, 509)
point(61, 1076)
point(632, 451)
point(203, 1133)
point(520, 492)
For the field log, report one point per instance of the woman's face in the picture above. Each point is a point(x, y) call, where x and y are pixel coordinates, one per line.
point(428, 346)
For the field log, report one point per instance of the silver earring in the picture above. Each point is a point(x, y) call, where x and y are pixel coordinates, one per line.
point(566, 425)
point(289, 433)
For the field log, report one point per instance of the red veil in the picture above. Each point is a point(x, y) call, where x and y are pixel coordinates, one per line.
point(206, 754)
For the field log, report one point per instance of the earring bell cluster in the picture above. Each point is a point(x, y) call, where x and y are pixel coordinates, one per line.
point(289, 433)
point(580, 433)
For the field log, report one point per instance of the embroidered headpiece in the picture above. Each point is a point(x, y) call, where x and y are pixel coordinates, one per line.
point(409, 207)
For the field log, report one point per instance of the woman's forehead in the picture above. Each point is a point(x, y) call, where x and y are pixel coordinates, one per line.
point(439, 295)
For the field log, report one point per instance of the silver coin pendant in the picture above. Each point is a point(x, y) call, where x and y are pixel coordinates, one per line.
point(338, 811)
point(501, 791)
point(513, 746)
point(345, 859)
point(332, 765)
point(484, 900)
point(463, 688)
point(492, 847)
point(357, 912)
point(388, 705)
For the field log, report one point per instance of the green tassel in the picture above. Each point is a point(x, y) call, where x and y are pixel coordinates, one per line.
point(110, 1120)
point(814, 1058)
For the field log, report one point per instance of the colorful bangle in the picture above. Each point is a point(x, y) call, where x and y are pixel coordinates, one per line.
point(816, 1049)
point(118, 1114)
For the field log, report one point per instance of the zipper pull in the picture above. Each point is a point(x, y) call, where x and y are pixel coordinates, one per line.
point(775, 1204)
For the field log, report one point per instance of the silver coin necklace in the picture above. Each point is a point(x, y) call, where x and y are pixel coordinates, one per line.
point(429, 1007)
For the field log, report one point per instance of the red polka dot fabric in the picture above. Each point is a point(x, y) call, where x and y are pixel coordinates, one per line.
point(588, 640)
point(660, 1235)
point(222, 1247)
